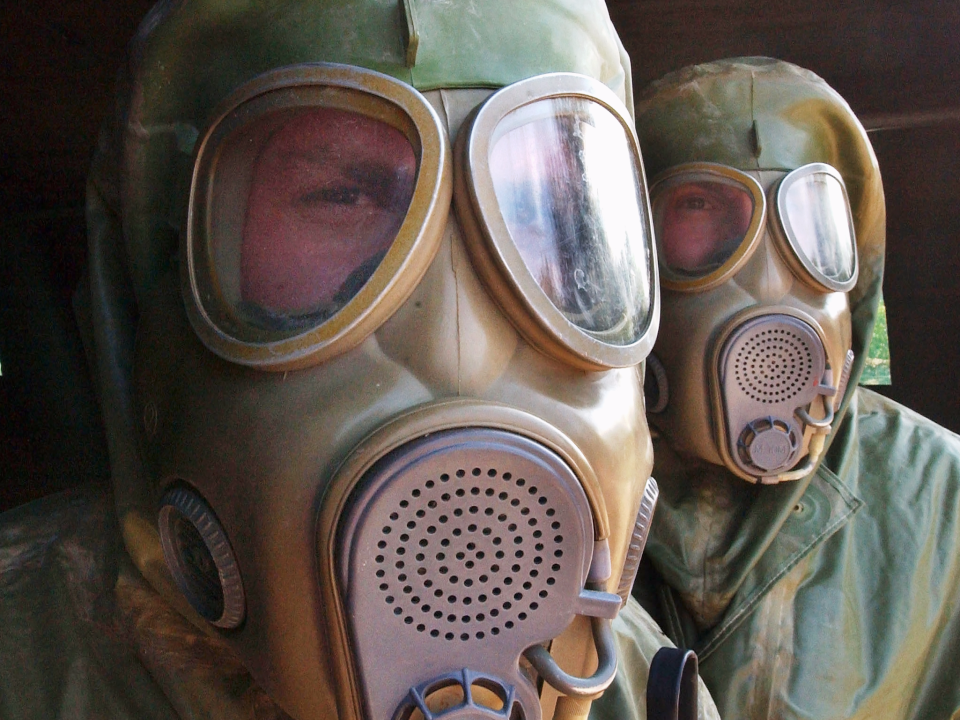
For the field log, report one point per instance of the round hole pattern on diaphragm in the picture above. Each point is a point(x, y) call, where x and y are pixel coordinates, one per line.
point(482, 546)
point(773, 365)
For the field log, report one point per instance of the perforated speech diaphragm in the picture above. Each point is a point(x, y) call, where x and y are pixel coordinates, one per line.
point(459, 551)
point(769, 367)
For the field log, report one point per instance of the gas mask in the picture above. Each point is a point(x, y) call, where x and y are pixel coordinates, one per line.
point(395, 454)
point(756, 234)
point(756, 266)
point(756, 227)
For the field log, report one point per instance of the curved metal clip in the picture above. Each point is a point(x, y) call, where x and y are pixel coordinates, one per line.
point(808, 419)
point(567, 684)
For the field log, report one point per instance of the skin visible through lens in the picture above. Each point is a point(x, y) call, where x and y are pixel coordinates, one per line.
point(702, 224)
point(329, 191)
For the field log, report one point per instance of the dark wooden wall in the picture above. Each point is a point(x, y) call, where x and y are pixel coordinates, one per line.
point(59, 60)
point(897, 63)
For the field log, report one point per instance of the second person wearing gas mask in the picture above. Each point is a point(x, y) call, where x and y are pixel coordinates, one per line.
point(807, 543)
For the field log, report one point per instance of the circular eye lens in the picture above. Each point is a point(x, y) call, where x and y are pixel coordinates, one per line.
point(700, 221)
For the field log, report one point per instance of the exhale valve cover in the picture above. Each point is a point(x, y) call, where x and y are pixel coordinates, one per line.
point(461, 550)
point(769, 367)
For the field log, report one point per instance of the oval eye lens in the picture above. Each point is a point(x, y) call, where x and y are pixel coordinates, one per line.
point(571, 196)
point(816, 218)
point(700, 220)
point(305, 204)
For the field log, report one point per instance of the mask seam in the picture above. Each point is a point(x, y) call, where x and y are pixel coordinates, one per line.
point(453, 264)
point(754, 130)
point(456, 297)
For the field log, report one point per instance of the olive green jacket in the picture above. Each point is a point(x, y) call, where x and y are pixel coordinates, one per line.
point(852, 609)
point(83, 636)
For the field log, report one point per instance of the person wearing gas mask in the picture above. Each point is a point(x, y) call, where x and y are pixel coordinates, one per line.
point(370, 284)
point(807, 540)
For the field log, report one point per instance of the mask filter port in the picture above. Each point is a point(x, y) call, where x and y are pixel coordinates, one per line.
point(463, 695)
point(767, 443)
point(200, 558)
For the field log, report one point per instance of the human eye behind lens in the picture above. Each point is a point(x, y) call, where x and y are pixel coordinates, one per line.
point(334, 195)
point(694, 200)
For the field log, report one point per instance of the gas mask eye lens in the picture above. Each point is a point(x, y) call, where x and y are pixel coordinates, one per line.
point(569, 194)
point(319, 198)
point(815, 215)
point(553, 201)
point(701, 224)
point(701, 219)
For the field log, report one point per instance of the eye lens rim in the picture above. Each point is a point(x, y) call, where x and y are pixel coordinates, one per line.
point(724, 174)
point(495, 254)
point(790, 246)
point(318, 85)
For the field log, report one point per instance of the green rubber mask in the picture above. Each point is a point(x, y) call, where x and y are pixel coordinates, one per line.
point(768, 212)
point(373, 283)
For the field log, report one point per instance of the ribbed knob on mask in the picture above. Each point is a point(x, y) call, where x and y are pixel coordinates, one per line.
point(768, 444)
point(200, 558)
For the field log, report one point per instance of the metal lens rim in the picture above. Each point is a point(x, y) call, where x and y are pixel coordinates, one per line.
point(787, 238)
point(319, 85)
point(498, 259)
point(751, 238)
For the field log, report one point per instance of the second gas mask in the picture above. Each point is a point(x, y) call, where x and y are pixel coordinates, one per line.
point(755, 349)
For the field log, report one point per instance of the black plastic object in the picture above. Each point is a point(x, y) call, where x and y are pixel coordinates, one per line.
point(672, 685)
point(462, 550)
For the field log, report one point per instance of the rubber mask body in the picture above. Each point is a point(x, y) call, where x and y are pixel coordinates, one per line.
point(267, 452)
point(263, 448)
point(697, 325)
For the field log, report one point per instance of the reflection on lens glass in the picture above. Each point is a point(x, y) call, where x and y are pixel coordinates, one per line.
point(306, 205)
point(700, 221)
point(817, 220)
point(572, 198)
